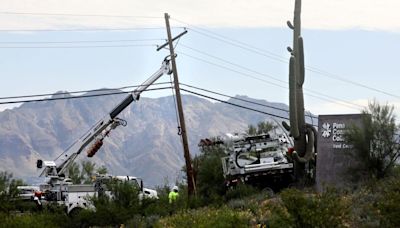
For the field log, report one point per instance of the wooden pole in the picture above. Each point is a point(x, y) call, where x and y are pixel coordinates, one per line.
point(188, 161)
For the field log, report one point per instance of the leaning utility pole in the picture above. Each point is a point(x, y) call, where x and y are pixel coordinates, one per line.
point(188, 161)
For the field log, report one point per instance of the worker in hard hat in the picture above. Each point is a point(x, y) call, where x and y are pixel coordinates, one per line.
point(173, 195)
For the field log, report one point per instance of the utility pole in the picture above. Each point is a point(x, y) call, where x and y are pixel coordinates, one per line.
point(188, 160)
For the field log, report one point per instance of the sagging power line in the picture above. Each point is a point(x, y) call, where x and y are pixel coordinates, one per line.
point(265, 75)
point(80, 46)
point(153, 89)
point(82, 29)
point(243, 100)
point(233, 104)
point(80, 41)
point(77, 97)
point(276, 57)
point(202, 31)
point(76, 15)
point(345, 103)
point(76, 92)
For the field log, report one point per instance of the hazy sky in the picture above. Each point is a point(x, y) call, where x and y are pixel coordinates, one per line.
point(232, 47)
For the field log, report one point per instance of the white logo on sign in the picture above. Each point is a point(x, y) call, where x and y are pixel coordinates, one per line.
point(326, 130)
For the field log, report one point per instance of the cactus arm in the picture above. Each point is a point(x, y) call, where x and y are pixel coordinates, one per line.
point(286, 126)
point(315, 135)
point(292, 102)
point(289, 24)
point(300, 57)
point(309, 155)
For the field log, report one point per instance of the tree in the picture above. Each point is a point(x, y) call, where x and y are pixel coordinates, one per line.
point(262, 127)
point(102, 170)
point(208, 170)
point(74, 173)
point(376, 143)
point(8, 191)
point(252, 130)
point(83, 174)
point(88, 169)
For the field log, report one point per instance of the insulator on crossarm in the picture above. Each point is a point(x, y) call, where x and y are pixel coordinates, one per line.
point(94, 148)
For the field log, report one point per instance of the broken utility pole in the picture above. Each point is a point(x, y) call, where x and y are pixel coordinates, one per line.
point(188, 161)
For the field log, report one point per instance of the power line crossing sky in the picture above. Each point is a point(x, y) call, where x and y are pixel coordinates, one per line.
point(46, 48)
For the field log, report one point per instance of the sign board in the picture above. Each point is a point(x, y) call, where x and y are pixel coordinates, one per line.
point(335, 157)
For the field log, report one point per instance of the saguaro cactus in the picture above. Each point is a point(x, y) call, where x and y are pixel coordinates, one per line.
point(304, 134)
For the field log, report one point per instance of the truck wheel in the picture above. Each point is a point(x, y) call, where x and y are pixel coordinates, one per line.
point(75, 212)
point(268, 191)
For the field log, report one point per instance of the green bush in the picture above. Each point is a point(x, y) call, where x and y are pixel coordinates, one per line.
point(240, 191)
point(207, 217)
point(389, 204)
point(8, 191)
point(209, 176)
point(377, 204)
point(328, 209)
point(375, 144)
point(34, 220)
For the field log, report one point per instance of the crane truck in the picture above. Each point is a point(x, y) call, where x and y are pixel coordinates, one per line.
point(59, 187)
point(261, 160)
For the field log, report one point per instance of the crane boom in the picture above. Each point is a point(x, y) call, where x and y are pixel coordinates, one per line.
point(56, 169)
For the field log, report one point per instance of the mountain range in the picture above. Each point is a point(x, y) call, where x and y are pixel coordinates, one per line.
point(148, 147)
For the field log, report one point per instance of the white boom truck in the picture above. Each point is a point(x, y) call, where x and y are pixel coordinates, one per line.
point(76, 195)
point(59, 187)
point(260, 160)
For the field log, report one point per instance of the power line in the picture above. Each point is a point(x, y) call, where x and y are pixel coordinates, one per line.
point(81, 29)
point(265, 75)
point(234, 42)
point(233, 64)
point(122, 92)
point(76, 97)
point(160, 88)
point(229, 69)
point(77, 41)
point(77, 15)
point(236, 105)
point(233, 104)
point(81, 46)
point(240, 99)
point(339, 78)
point(350, 105)
point(232, 97)
point(279, 58)
point(76, 92)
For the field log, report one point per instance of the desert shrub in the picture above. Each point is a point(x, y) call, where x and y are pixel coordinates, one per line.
point(39, 220)
point(376, 143)
point(389, 204)
point(114, 209)
point(240, 191)
point(142, 221)
point(328, 209)
point(209, 176)
point(8, 191)
point(363, 208)
point(207, 217)
point(377, 203)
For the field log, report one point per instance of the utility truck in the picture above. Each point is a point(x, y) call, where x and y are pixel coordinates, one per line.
point(59, 187)
point(77, 195)
point(261, 160)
